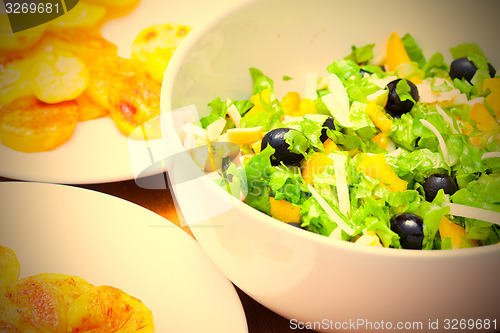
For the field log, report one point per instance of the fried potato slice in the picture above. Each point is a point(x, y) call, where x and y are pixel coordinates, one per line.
point(120, 86)
point(137, 103)
point(9, 267)
point(107, 309)
point(10, 319)
point(34, 303)
point(29, 125)
point(108, 73)
point(71, 287)
point(83, 15)
point(154, 46)
point(15, 79)
point(59, 76)
point(87, 44)
point(88, 110)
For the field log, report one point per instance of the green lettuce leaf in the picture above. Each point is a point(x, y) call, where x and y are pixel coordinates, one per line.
point(260, 81)
point(466, 50)
point(315, 219)
point(414, 51)
point(436, 66)
point(286, 184)
point(344, 69)
point(432, 213)
point(218, 110)
point(403, 90)
point(361, 55)
point(258, 171)
point(373, 215)
point(269, 117)
point(481, 193)
point(310, 126)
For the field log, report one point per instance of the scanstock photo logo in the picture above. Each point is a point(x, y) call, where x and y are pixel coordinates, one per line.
point(26, 14)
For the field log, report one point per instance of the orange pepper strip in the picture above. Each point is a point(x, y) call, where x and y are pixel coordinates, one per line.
point(378, 117)
point(395, 53)
point(376, 167)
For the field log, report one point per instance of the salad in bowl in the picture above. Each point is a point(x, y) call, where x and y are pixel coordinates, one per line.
point(389, 149)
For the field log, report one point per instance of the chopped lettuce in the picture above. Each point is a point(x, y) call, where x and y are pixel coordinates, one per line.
point(310, 126)
point(414, 51)
point(481, 193)
point(344, 69)
point(260, 81)
point(432, 214)
point(466, 50)
point(403, 90)
point(218, 110)
point(436, 66)
point(315, 219)
point(361, 55)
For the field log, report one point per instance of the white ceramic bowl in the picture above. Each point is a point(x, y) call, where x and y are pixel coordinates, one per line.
point(300, 275)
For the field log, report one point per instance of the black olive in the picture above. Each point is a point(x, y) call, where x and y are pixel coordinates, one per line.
point(395, 107)
point(410, 228)
point(463, 68)
point(276, 139)
point(329, 123)
point(435, 182)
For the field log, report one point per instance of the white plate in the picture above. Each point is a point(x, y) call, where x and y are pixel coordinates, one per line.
point(109, 241)
point(98, 152)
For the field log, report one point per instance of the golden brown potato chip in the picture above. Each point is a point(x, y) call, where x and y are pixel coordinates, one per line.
point(33, 302)
point(29, 125)
point(154, 46)
point(108, 309)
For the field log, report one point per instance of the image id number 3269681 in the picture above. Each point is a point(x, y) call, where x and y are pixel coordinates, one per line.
point(469, 324)
point(27, 7)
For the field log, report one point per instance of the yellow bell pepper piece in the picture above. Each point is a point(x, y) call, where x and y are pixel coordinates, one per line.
point(307, 107)
point(242, 136)
point(493, 98)
point(376, 167)
point(484, 119)
point(264, 95)
point(317, 163)
point(284, 211)
point(378, 117)
point(290, 103)
point(382, 140)
point(295, 106)
point(256, 146)
point(395, 53)
point(330, 146)
point(455, 232)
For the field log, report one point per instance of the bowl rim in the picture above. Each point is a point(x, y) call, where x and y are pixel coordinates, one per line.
point(173, 68)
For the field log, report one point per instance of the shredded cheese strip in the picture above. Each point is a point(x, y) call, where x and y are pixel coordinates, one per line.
point(339, 161)
point(442, 144)
point(474, 213)
point(336, 112)
point(215, 129)
point(491, 154)
point(446, 118)
point(338, 92)
point(234, 114)
point(337, 219)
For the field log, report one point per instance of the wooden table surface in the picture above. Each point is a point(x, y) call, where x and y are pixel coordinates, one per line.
point(259, 318)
